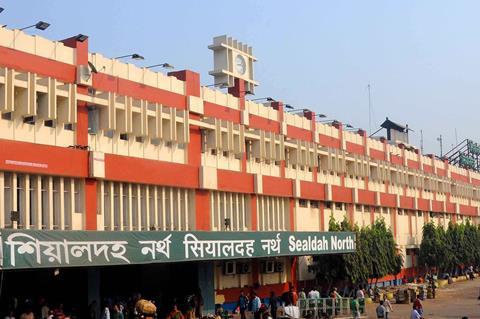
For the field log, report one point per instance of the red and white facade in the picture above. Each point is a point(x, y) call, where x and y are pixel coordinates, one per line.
point(127, 148)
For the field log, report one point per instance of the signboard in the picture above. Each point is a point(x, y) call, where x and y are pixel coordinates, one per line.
point(23, 249)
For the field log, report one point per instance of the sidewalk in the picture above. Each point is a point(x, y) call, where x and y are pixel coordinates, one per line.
point(454, 301)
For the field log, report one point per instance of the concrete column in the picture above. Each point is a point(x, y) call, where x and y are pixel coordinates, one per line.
point(206, 283)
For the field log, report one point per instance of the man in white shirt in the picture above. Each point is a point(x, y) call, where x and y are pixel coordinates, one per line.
point(360, 294)
point(314, 294)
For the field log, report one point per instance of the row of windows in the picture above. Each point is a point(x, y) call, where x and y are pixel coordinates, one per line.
point(39, 202)
point(125, 206)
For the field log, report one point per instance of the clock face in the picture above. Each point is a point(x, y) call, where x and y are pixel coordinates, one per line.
point(240, 64)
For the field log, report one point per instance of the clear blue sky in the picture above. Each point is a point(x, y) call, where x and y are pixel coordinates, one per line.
point(422, 58)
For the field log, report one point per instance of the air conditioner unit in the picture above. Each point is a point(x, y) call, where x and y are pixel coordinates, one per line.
point(243, 268)
point(267, 266)
point(279, 266)
point(229, 268)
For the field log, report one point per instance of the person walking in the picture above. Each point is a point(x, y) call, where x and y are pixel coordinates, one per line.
point(418, 305)
point(380, 310)
point(355, 307)
point(256, 304)
point(117, 312)
point(360, 294)
point(242, 304)
point(273, 304)
point(387, 305)
point(415, 314)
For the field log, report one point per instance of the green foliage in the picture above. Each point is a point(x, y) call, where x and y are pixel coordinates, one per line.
point(376, 255)
point(448, 249)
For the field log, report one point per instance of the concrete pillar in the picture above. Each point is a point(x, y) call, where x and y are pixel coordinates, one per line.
point(206, 283)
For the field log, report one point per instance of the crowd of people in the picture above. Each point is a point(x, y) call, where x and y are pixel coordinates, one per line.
point(189, 307)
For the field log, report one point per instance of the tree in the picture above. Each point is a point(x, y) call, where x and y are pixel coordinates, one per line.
point(448, 250)
point(432, 248)
point(376, 255)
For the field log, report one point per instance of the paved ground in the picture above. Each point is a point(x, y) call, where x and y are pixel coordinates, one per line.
point(454, 301)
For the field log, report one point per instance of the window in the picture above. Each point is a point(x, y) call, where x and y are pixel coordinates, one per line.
point(328, 205)
point(339, 206)
point(49, 123)
point(139, 139)
point(68, 127)
point(108, 134)
point(314, 204)
point(93, 115)
point(7, 116)
point(302, 203)
point(124, 137)
point(29, 120)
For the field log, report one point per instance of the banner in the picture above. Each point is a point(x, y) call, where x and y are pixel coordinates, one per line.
point(23, 249)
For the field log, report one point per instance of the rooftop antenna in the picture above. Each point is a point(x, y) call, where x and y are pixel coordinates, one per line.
point(440, 140)
point(421, 141)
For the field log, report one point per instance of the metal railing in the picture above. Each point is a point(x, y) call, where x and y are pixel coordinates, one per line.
point(314, 308)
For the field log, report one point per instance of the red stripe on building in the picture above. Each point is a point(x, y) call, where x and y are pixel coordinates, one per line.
point(341, 194)
point(388, 200)
point(437, 206)
point(366, 197)
point(108, 83)
point(311, 190)
point(145, 171)
point(355, 148)
point(459, 177)
point(329, 141)
point(467, 210)
point(261, 123)
point(299, 133)
point(276, 186)
point(423, 204)
point(232, 181)
point(396, 159)
point(22, 61)
point(376, 154)
point(42, 159)
point(221, 112)
point(407, 202)
point(428, 168)
point(413, 164)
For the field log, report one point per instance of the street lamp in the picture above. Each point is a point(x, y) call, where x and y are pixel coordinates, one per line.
point(162, 65)
point(41, 25)
point(134, 56)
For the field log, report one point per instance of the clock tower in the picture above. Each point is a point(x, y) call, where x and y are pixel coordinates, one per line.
point(232, 60)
